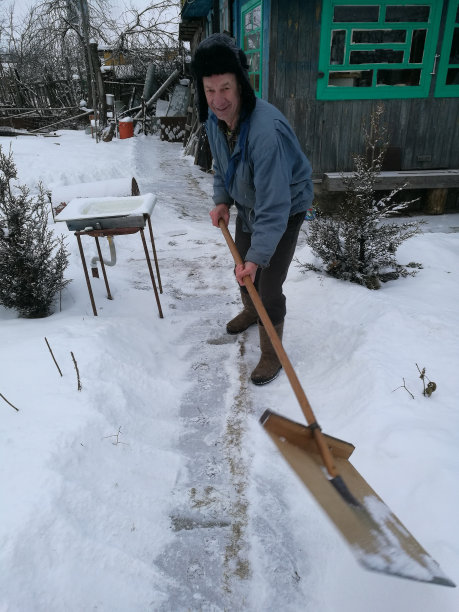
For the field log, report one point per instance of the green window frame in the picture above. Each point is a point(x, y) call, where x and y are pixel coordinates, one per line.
point(447, 83)
point(377, 49)
point(252, 41)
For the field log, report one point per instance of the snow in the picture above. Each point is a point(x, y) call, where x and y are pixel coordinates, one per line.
point(114, 187)
point(102, 207)
point(155, 487)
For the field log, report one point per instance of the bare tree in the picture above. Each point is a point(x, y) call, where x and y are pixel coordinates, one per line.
point(58, 39)
point(54, 37)
point(149, 35)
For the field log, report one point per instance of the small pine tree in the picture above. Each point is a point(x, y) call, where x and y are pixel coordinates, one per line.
point(32, 260)
point(358, 244)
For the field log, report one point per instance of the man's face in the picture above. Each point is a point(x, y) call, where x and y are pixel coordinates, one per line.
point(223, 97)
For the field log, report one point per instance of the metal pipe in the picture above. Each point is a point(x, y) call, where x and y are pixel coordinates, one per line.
point(174, 76)
point(96, 258)
point(147, 257)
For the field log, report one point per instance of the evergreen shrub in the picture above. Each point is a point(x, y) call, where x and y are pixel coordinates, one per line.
point(32, 259)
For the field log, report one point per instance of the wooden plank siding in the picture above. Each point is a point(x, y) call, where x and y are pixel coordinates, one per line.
point(330, 132)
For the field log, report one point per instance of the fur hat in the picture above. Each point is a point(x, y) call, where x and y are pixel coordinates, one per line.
point(218, 54)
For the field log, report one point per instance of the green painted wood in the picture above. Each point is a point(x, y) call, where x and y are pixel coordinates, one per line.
point(403, 87)
point(447, 83)
point(426, 130)
point(252, 28)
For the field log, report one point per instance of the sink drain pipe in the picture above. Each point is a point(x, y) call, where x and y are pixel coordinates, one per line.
point(112, 262)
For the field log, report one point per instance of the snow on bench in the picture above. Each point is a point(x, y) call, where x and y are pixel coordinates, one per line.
point(412, 179)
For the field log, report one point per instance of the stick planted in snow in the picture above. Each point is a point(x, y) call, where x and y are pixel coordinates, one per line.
point(430, 387)
point(4, 398)
point(76, 370)
point(52, 355)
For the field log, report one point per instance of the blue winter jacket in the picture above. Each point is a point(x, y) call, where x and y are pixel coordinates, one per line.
point(267, 177)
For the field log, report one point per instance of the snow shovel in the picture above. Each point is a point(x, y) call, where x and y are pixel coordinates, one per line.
point(377, 538)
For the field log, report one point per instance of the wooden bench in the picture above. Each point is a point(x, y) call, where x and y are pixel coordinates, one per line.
point(411, 179)
point(436, 181)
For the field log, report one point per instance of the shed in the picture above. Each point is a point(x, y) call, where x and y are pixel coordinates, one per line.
point(327, 64)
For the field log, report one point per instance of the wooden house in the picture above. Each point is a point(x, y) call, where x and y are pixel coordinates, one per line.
point(326, 64)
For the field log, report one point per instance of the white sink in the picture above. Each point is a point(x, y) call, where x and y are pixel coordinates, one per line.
point(90, 208)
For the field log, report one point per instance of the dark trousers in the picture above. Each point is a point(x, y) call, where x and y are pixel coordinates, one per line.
point(269, 281)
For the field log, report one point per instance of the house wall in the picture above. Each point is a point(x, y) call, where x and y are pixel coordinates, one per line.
point(330, 132)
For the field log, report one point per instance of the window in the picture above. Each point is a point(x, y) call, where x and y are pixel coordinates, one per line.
point(379, 49)
point(252, 41)
point(448, 65)
point(225, 16)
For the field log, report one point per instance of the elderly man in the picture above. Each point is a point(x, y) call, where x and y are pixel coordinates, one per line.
point(261, 170)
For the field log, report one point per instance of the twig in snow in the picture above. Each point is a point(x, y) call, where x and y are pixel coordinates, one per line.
point(52, 355)
point(404, 387)
point(117, 436)
point(76, 370)
point(4, 398)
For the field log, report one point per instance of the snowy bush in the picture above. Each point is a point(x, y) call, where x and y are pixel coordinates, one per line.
point(358, 243)
point(32, 259)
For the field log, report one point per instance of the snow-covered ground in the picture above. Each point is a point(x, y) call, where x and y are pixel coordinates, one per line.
point(154, 487)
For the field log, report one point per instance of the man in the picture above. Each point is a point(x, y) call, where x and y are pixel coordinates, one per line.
point(260, 168)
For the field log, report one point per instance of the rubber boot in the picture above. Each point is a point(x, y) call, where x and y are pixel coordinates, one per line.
point(269, 365)
point(245, 318)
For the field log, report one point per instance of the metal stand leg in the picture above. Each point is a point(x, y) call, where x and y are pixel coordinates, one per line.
point(86, 274)
point(109, 295)
point(147, 256)
point(154, 255)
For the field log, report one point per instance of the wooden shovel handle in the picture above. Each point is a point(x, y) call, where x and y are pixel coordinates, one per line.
point(283, 358)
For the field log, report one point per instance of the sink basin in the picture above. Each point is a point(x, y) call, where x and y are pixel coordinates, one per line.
point(104, 207)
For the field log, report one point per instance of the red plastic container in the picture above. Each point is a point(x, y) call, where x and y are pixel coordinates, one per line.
point(126, 128)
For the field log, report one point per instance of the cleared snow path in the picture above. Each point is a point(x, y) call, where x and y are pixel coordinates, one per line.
point(207, 560)
point(218, 509)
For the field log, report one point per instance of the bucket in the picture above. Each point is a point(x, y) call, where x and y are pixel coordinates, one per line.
point(126, 128)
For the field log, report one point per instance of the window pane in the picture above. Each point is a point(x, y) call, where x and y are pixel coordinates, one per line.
point(248, 21)
point(403, 77)
point(254, 62)
point(365, 79)
point(379, 56)
point(407, 13)
point(378, 36)
point(341, 79)
point(454, 55)
point(452, 76)
point(361, 78)
point(252, 41)
point(256, 17)
point(417, 46)
point(349, 13)
point(337, 47)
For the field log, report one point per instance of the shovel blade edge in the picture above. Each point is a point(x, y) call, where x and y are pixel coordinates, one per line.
point(378, 540)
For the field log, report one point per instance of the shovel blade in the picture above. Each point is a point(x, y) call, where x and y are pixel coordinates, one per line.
point(377, 538)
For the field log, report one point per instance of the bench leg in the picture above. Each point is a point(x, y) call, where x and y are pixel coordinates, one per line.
point(436, 201)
